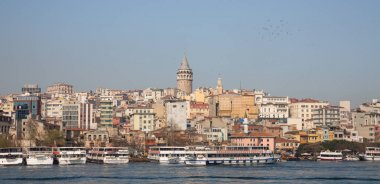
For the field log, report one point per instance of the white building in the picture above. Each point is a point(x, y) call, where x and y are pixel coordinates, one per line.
point(274, 107)
point(176, 113)
point(326, 116)
point(373, 107)
point(216, 134)
point(53, 108)
point(78, 116)
point(152, 94)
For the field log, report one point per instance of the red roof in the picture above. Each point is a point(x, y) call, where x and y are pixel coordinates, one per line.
point(282, 140)
point(253, 134)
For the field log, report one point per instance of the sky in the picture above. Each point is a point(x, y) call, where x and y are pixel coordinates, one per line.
point(327, 50)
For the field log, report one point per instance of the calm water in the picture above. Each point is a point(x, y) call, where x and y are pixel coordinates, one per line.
point(286, 172)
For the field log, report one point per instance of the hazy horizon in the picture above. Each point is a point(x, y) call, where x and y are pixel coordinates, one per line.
point(326, 50)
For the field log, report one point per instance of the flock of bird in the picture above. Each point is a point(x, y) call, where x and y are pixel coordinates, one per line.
point(275, 30)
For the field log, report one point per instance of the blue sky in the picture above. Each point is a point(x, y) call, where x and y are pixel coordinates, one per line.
point(327, 50)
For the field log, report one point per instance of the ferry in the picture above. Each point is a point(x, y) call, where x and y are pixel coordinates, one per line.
point(331, 156)
point(213, 155)
point(11, 156)
point(70, 155)
point(372, 153)
point(108, 155)
point(39, 156)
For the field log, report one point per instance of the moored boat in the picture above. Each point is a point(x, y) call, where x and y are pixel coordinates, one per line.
point(11, 156)
point(108, 155)
point(372, 154)
point(331, 156)
point(70, 155)
point(39, 156)
point(215, 155)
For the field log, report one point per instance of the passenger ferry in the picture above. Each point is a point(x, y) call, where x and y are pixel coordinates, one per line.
point(372, 153)
point(108, 155)
point(331, 156)
point(11, 156)
point(39, 156)
point(70, 155)
point(214, 155)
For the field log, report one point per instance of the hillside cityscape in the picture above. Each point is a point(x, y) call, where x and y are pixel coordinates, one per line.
point(180, 116)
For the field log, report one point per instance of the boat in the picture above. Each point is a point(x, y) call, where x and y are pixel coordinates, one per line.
point(214, 155)
point(39, 156)
point(196, 160)
point(331, 156)
point(163, 154)
point(108, 155)
point(11, 156)
point(372, 154)
point(70, 155)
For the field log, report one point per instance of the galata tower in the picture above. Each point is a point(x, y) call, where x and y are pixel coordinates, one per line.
point(185, 77)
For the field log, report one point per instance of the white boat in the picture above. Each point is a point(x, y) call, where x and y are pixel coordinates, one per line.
point(331, 156)
point(214, 155)
point(108, 155)
point(70, 155)
point(11, 156)
point(196, 160)
point(39, 156)
point(372, 154)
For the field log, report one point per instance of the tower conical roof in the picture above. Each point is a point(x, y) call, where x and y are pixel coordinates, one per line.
point(184, 64)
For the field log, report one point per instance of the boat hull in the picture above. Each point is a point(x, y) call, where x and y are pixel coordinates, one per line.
point(12, 161)
point(372, 158)
point(72, 161)
point(331, 159)
point(196, 162)
point(46, 160)
point(108, 161)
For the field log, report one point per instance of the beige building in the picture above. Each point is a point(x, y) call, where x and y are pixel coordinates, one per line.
point(236, 106)
point(96, 138)
point(367, 124)
point(200, 94)
point(219, 87)
point(303, 109)
point(185, 77)
point(52, 108)
point(142, 119)
point(60, 88)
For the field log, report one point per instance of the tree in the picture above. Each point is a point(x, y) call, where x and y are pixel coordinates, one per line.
point(4, 142)
point(53, 138)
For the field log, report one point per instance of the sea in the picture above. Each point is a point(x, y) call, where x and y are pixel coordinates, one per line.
point(283, 172)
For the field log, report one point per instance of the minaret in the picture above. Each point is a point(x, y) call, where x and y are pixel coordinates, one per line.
point(185, 77)
point(219, 86)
